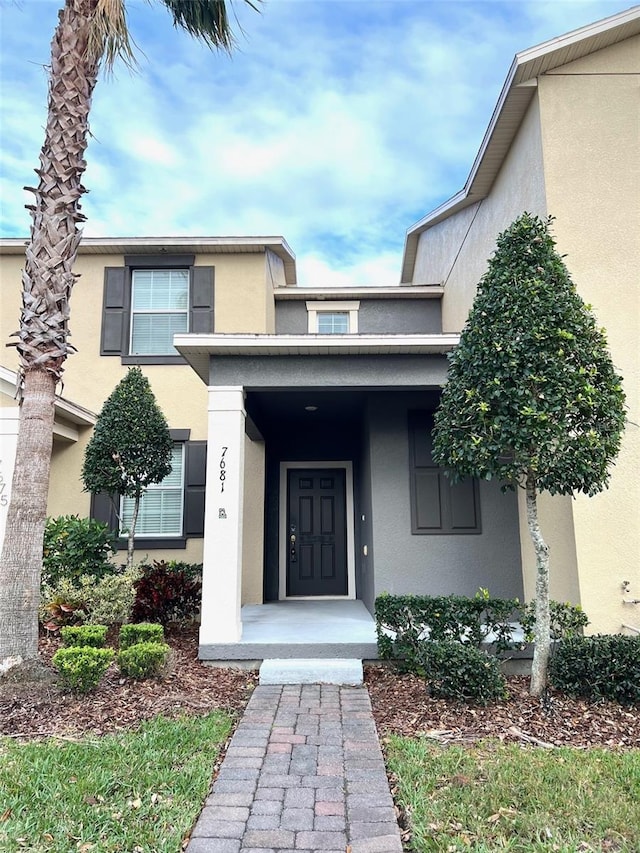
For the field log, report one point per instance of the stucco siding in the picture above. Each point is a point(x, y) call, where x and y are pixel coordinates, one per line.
point(253, 522)
point(591, 137)
point(375, 316)
point(433, 565)
point(455, 252)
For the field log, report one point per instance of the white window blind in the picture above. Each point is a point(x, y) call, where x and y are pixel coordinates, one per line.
point(334, 323)
point(159, 310)
point(162, 504)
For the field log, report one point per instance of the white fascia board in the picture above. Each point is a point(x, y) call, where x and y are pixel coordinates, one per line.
point(421, 291)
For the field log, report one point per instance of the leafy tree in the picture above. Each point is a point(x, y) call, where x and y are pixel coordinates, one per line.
point(532, 396)
point(130, 447)
point(91, 34)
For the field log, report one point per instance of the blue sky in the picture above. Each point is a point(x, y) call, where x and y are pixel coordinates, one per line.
point(336, 123)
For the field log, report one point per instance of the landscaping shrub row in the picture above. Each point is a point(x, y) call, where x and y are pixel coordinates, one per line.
point(455, 644)
point(83, 659)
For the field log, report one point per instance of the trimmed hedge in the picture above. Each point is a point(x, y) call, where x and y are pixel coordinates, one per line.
point(605, 666)
point(84, 635)
point(82, 667)
point(143, 660)
point(140, 632)
point(454, 670)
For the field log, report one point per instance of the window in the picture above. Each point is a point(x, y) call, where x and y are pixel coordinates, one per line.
point(332, 318)
point(171, 512)
point(161, 508)
point(159, 310)
point(150, 299)
point(437, 505)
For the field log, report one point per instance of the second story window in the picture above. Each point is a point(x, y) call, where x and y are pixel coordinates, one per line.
point(159, 310)
point(332, 318)
point(333, 323)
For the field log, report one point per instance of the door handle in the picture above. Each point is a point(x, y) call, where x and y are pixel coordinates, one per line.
point(292, 552)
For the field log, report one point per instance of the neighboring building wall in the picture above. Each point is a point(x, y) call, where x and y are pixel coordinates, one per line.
point(433, 564)
point(375, 317)
point(243, 303)
point(591, 139)
point(455, 252)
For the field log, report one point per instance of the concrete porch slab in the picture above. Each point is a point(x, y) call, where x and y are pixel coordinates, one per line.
point(311, 671)
point(326, 629)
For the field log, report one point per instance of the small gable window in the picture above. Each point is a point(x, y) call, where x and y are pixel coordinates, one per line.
point(332, 318)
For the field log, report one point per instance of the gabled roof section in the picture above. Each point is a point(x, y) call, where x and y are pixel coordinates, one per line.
point(191, 245)
point(514, 100)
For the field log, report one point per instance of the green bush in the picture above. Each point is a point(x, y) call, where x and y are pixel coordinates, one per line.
point(82, 667)
point(567, 620)
point(167, 592)
point(74, 547)
point(143, 660)
point(141, 632)
point(108, 601)
point(402, 621)
point(84, 635)
point(455, 670)
point(605, 666)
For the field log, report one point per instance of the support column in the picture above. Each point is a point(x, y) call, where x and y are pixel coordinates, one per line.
point(222, 557)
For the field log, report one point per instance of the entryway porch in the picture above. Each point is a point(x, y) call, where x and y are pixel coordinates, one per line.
point(300, 629)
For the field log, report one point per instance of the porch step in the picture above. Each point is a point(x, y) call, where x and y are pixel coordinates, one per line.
point(311, 671)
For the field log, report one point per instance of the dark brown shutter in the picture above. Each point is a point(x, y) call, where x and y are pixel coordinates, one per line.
point(195, 488)
point(202, 289)
point(115, 312)
point(437, 504)
point(102, 509)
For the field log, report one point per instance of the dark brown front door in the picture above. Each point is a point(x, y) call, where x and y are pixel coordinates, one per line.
point(316, 532)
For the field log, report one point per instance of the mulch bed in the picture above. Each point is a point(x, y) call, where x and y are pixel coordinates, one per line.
point(400, 703)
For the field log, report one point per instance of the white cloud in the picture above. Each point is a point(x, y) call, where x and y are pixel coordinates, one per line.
point(335, 124)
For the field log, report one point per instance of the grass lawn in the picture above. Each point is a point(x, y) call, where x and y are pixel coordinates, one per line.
point(138, 791)
point(491, 797)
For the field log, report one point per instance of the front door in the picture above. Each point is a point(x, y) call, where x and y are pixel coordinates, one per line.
point(316, 532)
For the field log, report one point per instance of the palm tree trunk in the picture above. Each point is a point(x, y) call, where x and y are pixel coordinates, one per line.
point(42, 339)
point(542, 631)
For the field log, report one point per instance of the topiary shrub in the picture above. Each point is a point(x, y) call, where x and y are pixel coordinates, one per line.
point(605, 666)
point(462, 672)
point(142, 632)
point(165, 593)
point(74, 547)
point(82, 667)
point(84, 635)
point(142, 660)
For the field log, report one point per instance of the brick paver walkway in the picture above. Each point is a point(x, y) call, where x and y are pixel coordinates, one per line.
point(304, 771)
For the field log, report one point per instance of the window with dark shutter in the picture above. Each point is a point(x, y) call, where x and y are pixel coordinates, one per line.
point(134, 328)
point(158, 526)
point(438, 506)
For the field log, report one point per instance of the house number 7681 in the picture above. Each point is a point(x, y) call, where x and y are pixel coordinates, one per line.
point(223, 466)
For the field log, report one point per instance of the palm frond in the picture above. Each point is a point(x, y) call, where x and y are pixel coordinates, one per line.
point(207, 20)
point(109, 39)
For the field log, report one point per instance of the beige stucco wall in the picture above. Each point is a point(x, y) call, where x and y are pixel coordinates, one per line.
point(243, 303)
point(253, 522)
point(591, 139)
